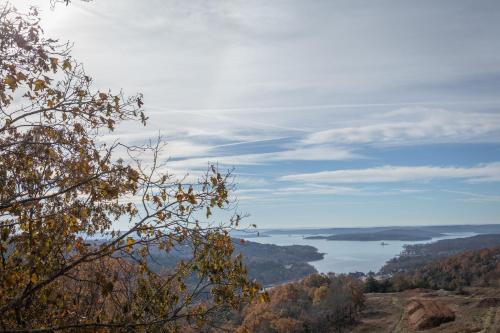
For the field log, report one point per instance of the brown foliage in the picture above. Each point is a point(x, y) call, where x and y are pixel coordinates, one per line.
point(471, 268)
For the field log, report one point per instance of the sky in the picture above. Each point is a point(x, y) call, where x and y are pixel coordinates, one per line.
point(332, 113)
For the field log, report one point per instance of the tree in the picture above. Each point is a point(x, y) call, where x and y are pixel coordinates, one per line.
point(372, 285)
point(63, 263)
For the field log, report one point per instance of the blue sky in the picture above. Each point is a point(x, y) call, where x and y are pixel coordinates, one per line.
point(333, 113)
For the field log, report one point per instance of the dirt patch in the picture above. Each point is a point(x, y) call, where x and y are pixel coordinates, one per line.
point(423, 314)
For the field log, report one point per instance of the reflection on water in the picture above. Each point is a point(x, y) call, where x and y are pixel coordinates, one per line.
point(350, 256)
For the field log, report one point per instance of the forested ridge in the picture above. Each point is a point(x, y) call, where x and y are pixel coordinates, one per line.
point(267, 263)
point(470, 268)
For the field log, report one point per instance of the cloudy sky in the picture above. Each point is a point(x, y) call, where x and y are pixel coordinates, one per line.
point(333, 113)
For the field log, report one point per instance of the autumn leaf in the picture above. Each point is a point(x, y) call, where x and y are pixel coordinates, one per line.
point(11, 82)
point(130, 242)
point(53, 63)
point(39, 85)
point(66, 64)
point(21, 77)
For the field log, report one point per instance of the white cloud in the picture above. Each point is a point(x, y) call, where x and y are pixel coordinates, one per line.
point(309, 189)
point(315, 153)
point(219, 78)
point(415, 125)
point(391, 174)
point(276, 193)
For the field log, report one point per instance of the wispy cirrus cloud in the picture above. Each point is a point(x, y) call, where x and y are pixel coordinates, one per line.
point(313, 189)
point(307, 190)
point(474, 197)
point(489, 172)
point(414, 125)
point(314, 153)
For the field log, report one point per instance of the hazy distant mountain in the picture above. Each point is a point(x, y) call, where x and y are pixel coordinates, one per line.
point(480, 229)
point(390, 234)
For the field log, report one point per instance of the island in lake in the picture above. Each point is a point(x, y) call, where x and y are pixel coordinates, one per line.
point(403, 234)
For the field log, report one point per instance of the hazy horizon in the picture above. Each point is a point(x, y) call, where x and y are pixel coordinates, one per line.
point(376, 226)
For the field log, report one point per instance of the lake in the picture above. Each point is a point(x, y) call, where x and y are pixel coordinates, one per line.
point(350, 256)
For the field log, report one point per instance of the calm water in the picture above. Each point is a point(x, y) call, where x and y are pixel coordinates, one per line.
point(349, 256)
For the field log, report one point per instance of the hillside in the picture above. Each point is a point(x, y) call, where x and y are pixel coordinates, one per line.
point(470, 268)
point(267, 263)
point(417, 255)
point(272, 264)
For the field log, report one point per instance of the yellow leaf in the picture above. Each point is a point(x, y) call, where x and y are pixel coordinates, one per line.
point(21, 76)
point(83, 213)
point(264, 297)
point(11, 82)
point(39, 84)
point(130, 241)
point(53, 63)
point(66, 64)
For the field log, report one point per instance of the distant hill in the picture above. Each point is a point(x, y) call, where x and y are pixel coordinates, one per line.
point(401, 234)
point(469, 268)
point(459, 228)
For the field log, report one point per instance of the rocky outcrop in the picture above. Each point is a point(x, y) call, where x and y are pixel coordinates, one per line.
point(423, 314)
